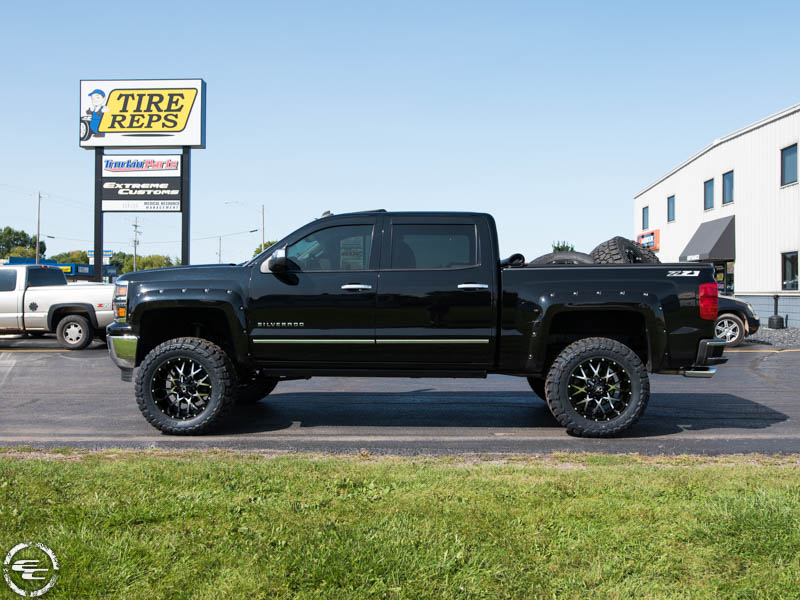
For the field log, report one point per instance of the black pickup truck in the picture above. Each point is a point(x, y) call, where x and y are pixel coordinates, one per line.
point(410, 295)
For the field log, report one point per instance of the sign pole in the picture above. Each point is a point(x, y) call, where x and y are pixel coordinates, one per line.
point(185, 204)
point(98, 214)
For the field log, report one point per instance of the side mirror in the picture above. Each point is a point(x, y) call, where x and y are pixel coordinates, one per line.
point(277, 262)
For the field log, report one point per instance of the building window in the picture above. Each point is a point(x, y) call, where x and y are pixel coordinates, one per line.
point(645, 217)
point(789, 271)
point(789, 165)
point(670, 209)
point(708, 194)
point(727, 187)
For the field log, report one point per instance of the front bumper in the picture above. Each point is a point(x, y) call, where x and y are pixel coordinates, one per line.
point(752, 325)
point(709, 353)
point(122, 348)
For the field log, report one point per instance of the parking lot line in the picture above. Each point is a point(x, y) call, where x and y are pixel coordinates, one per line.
point(2, 351)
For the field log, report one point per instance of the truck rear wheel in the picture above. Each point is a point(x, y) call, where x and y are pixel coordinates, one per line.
point(74, 332)
point(597, 387)
point(186, 386)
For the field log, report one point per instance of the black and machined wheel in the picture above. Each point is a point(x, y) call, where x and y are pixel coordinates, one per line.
point(563, 258)
point(597, 387)
point(186, 386)
point(538, 386)
point(620, 250)
point(255, 387)
point(730, 328)
point(74, 332)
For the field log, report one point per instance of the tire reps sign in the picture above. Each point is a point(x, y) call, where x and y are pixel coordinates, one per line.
point(148, 183)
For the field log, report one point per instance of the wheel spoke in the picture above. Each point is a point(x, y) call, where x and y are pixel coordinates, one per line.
point(604, 393)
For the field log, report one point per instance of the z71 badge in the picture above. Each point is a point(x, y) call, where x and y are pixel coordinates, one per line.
point(683, 273)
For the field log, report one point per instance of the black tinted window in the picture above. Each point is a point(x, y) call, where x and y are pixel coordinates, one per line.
point(342, 248)
point(8, 280)
point(433, 246)
point(41, 277)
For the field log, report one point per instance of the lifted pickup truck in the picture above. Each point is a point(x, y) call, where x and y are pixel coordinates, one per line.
point(36, 299)
point(410, 295)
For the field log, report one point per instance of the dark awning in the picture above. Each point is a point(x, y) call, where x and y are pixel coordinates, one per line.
point(713, 240)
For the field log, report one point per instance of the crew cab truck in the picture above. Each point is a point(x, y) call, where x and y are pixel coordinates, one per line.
point(410, 295)
point(36, 299)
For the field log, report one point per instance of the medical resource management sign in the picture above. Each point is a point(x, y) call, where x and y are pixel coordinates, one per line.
point(142, 113)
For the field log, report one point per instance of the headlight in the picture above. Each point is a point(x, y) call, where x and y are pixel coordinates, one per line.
point(121, 301)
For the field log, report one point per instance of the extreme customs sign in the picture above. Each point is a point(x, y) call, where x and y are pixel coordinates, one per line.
point(142, 113)
point(148, 183)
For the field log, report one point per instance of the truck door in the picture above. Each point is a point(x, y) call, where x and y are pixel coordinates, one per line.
point(437, 297)
point(10, 300)
point(323, 308)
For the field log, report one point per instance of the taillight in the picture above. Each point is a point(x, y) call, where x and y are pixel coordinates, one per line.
point(709, 301)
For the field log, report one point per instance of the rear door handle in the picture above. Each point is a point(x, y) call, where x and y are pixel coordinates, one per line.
point(473, 286)
point(356, 286)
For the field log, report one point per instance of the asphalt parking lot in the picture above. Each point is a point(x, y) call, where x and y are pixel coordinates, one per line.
point(54, 398)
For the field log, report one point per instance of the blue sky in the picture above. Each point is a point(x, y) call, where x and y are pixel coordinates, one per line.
point(551, 116)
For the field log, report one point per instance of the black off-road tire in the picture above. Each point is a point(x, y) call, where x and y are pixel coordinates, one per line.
point(563, 258)
point(255, 388)
point(222, 377)
point(538, 386)
point(74, 332)
point(734, 321)
point(620, 250)
point(575, 355)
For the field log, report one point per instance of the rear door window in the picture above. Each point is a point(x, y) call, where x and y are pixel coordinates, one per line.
point(424, 246)
point(8, 280)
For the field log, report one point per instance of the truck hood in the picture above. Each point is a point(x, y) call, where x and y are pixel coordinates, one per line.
point(207, 272)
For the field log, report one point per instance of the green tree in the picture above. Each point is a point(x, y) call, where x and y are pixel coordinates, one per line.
point(261, 247)
point(72, 256)
point(15, 242)
point(563, 246)
point(151, 261)
point(118, 260)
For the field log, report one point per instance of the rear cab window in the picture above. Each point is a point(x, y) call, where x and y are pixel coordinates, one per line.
point(44, 277)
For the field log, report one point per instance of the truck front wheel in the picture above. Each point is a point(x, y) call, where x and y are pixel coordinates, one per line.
point(597, 387)
point(186, 386)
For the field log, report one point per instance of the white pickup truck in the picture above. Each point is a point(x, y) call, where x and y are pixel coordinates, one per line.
point(36, 299)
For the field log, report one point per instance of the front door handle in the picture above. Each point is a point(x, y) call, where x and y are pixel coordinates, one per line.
point(473, 286)
point(356, 286)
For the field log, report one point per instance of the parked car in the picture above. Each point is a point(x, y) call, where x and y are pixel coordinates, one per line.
point(36, 299)
point(410, 295)
point(736, 320)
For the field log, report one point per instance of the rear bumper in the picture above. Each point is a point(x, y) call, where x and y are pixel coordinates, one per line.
point(709, 353)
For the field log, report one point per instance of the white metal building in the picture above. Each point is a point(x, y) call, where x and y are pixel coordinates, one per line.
point(736, 203)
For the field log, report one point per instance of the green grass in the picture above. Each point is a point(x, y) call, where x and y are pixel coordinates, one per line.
point(220, 525)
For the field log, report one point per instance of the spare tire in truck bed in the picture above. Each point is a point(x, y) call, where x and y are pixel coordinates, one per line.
point(563, 258)
point(620, 250)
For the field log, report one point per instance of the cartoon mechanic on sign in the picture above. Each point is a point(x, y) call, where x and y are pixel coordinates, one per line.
point(91, 125)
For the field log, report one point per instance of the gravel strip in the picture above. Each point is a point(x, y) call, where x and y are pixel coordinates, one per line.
point(780, 338)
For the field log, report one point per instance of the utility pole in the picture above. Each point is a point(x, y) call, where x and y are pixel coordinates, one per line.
point(38, 221)
point(135, 240)
point(262, 228)
point(219, 251)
